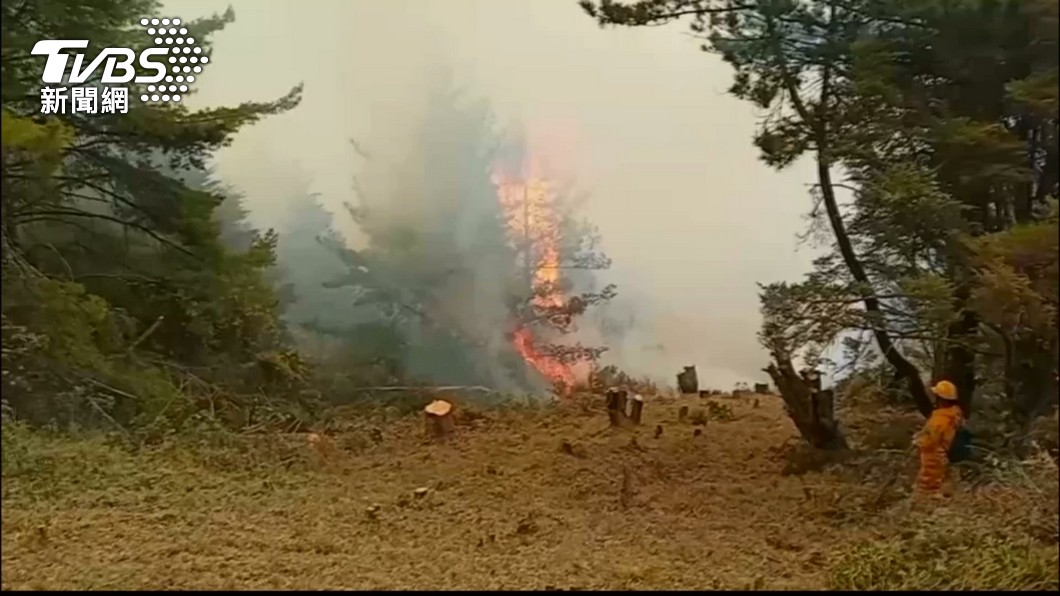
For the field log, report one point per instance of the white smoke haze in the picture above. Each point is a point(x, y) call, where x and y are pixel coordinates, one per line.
point(638, 119)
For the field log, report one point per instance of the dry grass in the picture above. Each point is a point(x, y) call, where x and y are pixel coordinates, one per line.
point(947, 555)
point(507, 506)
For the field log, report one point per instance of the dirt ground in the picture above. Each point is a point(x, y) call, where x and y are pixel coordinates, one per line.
point(506, 506)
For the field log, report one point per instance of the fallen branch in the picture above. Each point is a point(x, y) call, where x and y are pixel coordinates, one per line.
point(147, 333)
point(430, 389)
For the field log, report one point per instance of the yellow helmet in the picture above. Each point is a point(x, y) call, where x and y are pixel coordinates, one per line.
point(945, 390)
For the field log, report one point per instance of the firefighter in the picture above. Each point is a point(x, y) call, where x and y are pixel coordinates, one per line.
point(936, 438)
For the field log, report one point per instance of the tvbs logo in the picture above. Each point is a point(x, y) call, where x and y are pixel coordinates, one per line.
point(167, 70)
point(116, 59)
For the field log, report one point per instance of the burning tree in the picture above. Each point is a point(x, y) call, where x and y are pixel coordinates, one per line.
point(472, 255)
point(551, 248)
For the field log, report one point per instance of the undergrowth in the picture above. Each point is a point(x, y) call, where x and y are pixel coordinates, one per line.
point(1000, 533)
point(956, 555)
point(41, 465)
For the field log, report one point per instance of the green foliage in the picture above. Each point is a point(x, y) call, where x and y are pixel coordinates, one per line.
point(42, 464)
point(719, 412)
point(1015, 293)
point(46, 139)
point(802, 319)
point(121, 274)
point(63, 359)
point(944, 118)
point(71, 319)
point(903, 223)
point(105, 175)
point(1017, 282)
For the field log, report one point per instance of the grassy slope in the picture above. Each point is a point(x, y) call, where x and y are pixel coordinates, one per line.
point(508, 509)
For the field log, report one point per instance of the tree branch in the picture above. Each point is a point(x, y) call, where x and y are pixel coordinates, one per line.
point(58, 215)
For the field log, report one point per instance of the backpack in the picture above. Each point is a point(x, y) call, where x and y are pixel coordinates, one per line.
point(961, 449)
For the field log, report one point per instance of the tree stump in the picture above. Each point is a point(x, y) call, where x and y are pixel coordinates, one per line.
point(811, 409)
point(616, 407)
point(438, 418)
point(636, 408)
point(688, 381)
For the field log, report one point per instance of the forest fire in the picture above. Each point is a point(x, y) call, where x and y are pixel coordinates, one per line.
point(559, 373)
point(533, 227)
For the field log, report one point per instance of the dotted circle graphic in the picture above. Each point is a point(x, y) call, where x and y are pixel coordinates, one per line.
point(185, 57)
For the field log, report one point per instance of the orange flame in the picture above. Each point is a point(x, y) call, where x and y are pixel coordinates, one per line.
point(532, 222)
point(559, 373)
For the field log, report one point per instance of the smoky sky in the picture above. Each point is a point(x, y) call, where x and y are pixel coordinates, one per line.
point(639, 119)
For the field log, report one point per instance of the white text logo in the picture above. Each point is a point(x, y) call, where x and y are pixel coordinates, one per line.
point(167, 70)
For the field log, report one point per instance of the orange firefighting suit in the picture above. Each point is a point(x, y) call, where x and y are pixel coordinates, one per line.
point(934, 442)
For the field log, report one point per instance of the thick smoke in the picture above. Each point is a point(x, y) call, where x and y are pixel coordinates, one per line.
point(639, 118)
point(434, 241)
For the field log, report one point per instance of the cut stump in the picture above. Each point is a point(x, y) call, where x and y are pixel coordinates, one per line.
point(636, 409)
point(688, 381)
point(811, 409)
point(438, 418)
point(616, 407)
point(621, 400)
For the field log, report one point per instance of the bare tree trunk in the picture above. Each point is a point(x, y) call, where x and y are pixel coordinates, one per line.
point(901, 365)
point(688, 381)
point(959, 360)
point(817, 122)
point(812, 411)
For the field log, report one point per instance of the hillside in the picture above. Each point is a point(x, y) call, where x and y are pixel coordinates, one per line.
point(507, 506)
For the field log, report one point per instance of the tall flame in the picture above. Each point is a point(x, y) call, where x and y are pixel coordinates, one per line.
point(533, 224)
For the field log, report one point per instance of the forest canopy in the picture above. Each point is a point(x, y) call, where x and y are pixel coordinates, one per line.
point(136, 293)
